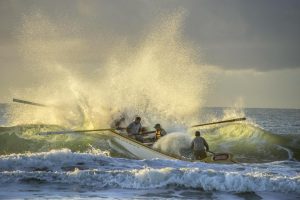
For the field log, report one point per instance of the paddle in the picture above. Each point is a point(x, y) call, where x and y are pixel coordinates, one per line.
point(29, 103)
point(82, 131)
point(143, 133)
point(211, 152)
point(219, 122)
point(148, 132)
point(75, 131)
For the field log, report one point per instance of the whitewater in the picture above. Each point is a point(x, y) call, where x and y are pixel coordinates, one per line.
point(87, 166)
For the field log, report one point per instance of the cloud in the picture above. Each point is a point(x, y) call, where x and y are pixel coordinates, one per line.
point(261, 35)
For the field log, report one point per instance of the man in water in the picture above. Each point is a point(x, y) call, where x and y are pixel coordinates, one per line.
point(159, 131)
point(198, 145)
point(134, 129)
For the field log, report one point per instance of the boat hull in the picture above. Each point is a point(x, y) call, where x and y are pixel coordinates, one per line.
point(138, 149)
point(142, 151)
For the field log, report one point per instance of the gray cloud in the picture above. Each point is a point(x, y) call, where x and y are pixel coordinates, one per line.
point(233, 34)
point(247, 34)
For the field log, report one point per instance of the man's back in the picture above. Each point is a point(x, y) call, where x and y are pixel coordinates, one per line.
point(134, 128)
point(199, 143)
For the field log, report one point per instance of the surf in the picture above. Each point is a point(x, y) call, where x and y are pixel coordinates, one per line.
point(248, 143)
point(97, 170)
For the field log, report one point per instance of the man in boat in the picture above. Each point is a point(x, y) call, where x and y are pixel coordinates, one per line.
point(198, 145)
point(134, 129)
point(117, 123)
point(159, 131)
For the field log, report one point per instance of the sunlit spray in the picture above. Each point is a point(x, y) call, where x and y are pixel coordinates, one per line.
point(174, 142)
point(159, 78)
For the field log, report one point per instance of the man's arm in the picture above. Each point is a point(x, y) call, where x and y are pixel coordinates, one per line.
point(141, 129)
point(192, 145)
point(205, 144)
point(163, 132)
point(128, 128)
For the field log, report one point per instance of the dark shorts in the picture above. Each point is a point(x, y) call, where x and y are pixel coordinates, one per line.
point(136, 137)
point(199, 154)
point(139, 138)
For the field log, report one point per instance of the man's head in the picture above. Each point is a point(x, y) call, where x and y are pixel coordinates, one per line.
point(157, 126)
point(197, 133)
point(137, 120)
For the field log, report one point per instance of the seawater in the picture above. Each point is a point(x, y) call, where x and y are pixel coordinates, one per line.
point(91, 166)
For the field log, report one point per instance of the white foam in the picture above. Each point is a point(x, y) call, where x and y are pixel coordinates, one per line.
point(173, 142)
point(99, 171)
point(290, 153)
point(51, 160)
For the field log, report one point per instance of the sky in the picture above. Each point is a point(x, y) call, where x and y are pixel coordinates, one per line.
point(251, 48)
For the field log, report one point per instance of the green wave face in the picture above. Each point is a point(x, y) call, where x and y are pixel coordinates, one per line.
point(26, 138)
point(246, 142)
point(252, 144)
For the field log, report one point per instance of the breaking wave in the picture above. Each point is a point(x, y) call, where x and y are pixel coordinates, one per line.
point(97, 170)
point(246, 142)
point(249, 142)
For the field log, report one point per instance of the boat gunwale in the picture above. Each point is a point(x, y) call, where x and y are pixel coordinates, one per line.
point(136, 143)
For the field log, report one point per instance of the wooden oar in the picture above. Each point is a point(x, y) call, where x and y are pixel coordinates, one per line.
point(89, 130)
point(142, 133)
point(211, 152)
point(220, 122)
point(30, 103)
point(75, 131)
point(148, 132)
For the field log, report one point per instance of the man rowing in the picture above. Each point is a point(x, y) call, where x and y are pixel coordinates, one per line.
point(117, 123)
point(159, 131)
point(134, 129)
point(198, 145)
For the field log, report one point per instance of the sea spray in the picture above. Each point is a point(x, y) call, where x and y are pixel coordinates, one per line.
point(174, 142)
point(159, 78)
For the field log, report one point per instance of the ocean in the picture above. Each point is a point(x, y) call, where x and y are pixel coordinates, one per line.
point(89, 166)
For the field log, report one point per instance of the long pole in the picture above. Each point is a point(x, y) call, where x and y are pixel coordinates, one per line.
point(29, 102)
point(220, 122)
